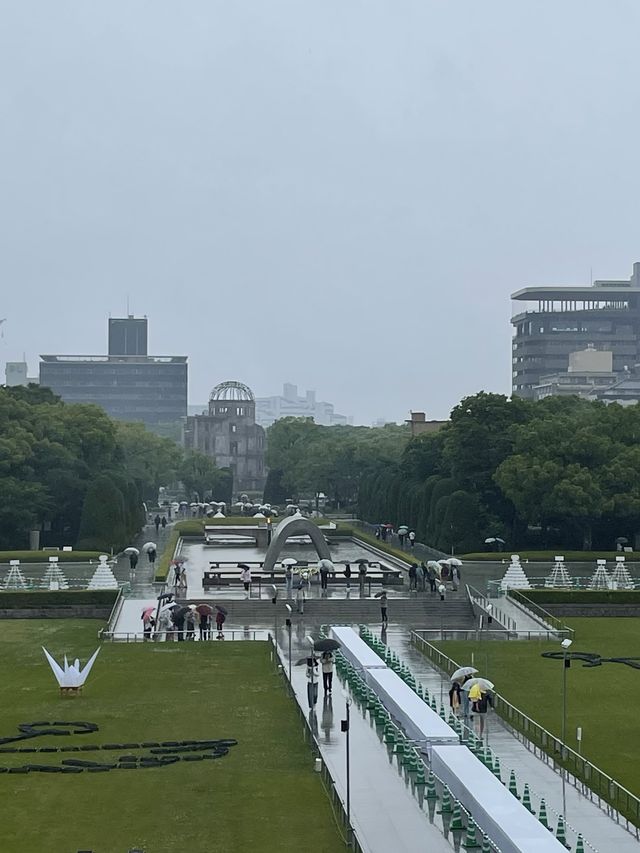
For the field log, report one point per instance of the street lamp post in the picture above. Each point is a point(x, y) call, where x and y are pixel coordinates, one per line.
point(566, 663)
point(288, 624)
point(345, 726)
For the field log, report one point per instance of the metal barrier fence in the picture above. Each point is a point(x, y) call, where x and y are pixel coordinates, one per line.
point(619, 803)
point(347, 831)
point(520, 600)
point(481, 634)
point(138, 636)
point(481, 600)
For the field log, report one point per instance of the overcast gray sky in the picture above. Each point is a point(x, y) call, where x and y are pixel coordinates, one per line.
point(340, 194)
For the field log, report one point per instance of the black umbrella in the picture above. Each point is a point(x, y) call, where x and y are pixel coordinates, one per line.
point(179, 613)
point(326, 645)
point(362, 560)
point(380, 594)
point(244, 566)
point(165, 596)
point(221, 609)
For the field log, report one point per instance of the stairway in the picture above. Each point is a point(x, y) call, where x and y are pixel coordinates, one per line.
point(454, 613)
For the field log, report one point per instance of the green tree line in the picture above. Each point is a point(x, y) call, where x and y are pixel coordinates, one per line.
point(81, 478)
point(559, 472)
point(305, 458)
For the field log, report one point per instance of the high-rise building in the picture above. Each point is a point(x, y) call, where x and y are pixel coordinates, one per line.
point(290, 405)
point(129, 384)
point(550, 323)
point(228, 433)
point(128, 335)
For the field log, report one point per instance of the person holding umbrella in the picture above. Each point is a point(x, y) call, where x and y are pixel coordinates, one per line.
point(327, 672)
point(221, 615)
point(347, 574)
point(178, 616)
point(133, 554)
point(383, 606)
point(362, 574)
point(205, 612)
point(191, 617)
point(148, 622)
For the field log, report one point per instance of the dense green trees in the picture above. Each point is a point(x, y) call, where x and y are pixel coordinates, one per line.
point(203, 479)
point(305, 458)
point(561, 472)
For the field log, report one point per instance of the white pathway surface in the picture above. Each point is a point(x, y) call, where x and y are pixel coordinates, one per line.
point(598, 829)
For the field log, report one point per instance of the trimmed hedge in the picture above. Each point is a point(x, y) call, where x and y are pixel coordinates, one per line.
point(547, 556)
point(43, 556)
point(581, 596)
point(20, 600)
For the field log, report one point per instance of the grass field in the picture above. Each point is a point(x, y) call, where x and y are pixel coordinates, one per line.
point(603, 700)
point(262, 796)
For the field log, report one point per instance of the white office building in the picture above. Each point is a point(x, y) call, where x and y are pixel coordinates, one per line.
point(290, 405)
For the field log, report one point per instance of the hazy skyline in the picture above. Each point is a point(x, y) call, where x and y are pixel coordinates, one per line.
point(339, 195)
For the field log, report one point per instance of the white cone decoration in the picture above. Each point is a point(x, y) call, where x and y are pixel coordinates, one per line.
point(219, 515)
point(103, 577)
point(559, 577)
point(54, 576)
point(621, 579)
point(600, 578)
point(15, 578)
point(515, 577)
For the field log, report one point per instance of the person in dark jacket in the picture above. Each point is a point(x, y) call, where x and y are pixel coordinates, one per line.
point(347, 574)
point(151, 555)
point(156, 521)
point(413, 576)
point(163, 521)
point(133, 561)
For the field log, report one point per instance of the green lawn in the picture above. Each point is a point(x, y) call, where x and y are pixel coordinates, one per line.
point(604, 700)
point(262, 796)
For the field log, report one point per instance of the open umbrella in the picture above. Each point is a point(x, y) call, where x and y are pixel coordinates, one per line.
point(325, 645)
point(463, 672)
point(403, 529)
point(475, 693)
point(483, 683)
point(362, 560)
point(165, 596)
point(204, 609)
point(179, 613)
point(381, 593)
point(132, 550)
point(148, 611)
point(149, 546)
point(326, 564)
point(221, 609)
point(454, 561)
point(244, 566)
point(289, 561)
point(167, 607)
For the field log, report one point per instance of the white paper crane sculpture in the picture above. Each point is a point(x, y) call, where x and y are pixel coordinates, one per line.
point(72, 677)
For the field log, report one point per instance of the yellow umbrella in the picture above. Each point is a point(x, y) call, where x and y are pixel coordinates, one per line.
point(475, 693)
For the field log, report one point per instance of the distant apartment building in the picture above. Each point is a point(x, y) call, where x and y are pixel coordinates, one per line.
point(16, 373)
point(551, 323)
point(290, 405)
point(229, 434)
point(127, 383)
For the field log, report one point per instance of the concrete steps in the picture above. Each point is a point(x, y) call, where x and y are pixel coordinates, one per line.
point(454, 613)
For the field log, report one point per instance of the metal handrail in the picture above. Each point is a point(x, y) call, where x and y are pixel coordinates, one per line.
point(484, 602)
point(521, 600)
point(484, 634)
point(231, 634)
point(618, 802)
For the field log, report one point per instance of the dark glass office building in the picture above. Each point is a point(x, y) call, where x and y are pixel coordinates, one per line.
point(129, 384)
point(550, 323)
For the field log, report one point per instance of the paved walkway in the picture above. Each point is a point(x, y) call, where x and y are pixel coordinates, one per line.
point(386, 815)
point(600, 831)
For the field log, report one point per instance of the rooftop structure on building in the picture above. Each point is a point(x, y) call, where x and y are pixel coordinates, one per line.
point(589, 370)
point(552, 322)
point(229, 434)
point(419, 424)
point(127, 383)
point(271, 409)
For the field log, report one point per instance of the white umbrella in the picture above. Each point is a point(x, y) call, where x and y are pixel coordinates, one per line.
point(483, 684)
point(132, 550)
point(454, 561)
point(149, 546)
point(326, 564)
point(289, 561)
point(463, 672)
point(167, 607)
